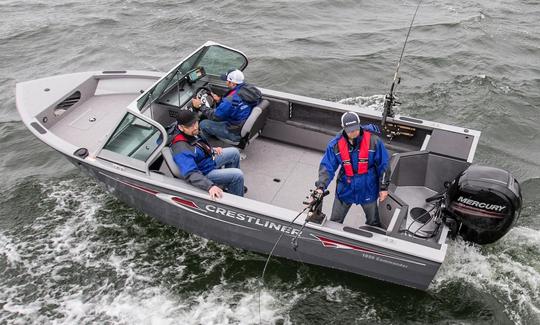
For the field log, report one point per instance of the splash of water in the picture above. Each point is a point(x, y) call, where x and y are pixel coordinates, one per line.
point(374, 102)
point(508, 270)
point(79, 266)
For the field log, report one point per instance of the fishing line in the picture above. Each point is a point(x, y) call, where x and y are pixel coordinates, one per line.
point(406, 39)
point(314, 206)
point(294, 243)
point(270, 255)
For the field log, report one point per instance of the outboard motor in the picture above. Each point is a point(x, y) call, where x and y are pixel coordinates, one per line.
point(485, 201)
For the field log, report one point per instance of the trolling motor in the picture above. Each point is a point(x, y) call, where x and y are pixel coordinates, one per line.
point(315, 213)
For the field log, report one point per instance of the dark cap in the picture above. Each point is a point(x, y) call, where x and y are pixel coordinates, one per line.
point(186, 118)
point(350, 122)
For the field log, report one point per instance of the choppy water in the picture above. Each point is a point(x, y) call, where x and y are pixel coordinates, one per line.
point(70, 253)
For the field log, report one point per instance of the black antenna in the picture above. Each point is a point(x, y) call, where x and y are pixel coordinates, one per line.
point(390, 99)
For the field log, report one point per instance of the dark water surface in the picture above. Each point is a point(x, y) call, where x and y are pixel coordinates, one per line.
point(71, 253)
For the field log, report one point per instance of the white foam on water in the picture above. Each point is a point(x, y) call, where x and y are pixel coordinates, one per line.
point(9, 250)
point(334, 293)
point(363, 308)
point(224, 304)
point(64, 235)
point(513, 281)
point(134, 293)
point(150, 305)
point(26, 309)
point(56, 240)
point(374, 102)
point(221, 304)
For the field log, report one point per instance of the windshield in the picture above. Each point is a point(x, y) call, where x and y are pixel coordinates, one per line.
point(215, 59)
point(134, 138)
point(164, 84)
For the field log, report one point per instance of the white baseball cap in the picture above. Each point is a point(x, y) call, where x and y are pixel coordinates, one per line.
point(235, 76)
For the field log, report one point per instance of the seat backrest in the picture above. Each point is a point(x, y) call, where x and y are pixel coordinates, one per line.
point(169, 160)
point(256, 120)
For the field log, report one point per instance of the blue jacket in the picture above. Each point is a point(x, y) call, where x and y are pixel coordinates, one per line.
point(364, 188)
point(193, 161)
point(235, 106)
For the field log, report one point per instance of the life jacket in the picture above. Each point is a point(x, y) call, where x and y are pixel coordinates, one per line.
point(205, 147)
point(230, 93)
point(363, 154)
point(179, 137)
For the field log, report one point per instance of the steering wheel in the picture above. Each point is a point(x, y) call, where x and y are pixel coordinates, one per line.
point(204, 94)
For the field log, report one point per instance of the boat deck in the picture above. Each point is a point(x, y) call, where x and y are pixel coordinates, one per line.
point(282, 174)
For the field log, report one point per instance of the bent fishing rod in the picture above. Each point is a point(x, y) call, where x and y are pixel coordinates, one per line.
point(390, 99)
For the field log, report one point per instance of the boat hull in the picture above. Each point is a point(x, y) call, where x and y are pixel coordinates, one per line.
point(256, 232)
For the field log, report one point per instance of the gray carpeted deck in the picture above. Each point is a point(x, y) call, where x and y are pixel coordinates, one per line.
point(77, 127)
point(282, 174)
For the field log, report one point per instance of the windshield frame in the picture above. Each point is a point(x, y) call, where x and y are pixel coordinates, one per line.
point(130, 162)
point(148, 97)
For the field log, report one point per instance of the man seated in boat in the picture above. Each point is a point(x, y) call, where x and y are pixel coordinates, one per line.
point(225, 121)
point(200, 164)
point(361, 178)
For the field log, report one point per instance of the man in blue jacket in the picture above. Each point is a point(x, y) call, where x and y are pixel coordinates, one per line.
point(363, 176)
point(200, 164)
point(226, 120)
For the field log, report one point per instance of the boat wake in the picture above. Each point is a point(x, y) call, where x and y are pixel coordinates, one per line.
point(509, 271)
point(374, 102)
point(90, 259)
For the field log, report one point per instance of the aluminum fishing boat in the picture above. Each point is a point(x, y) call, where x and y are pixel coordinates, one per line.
point(111, 124)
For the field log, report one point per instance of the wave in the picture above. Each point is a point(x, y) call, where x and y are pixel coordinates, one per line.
point(374, 102)
point(21, 32)
point(514, 282)
point(89, 258)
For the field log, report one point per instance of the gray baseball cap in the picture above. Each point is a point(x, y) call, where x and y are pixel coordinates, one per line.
point(350, 122)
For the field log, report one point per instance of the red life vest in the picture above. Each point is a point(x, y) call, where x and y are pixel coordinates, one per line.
point(363, 155)
point(205, 147)
point(179, 137)
point(231, 93)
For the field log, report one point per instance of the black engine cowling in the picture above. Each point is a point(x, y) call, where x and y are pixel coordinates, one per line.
point(485, 201)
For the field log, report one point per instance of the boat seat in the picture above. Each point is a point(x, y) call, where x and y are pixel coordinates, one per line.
point(253, 126)
point(169, 160)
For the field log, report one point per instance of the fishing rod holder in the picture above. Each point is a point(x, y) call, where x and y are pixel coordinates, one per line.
point(390, 102)
point(315, 214)
point(393, 130)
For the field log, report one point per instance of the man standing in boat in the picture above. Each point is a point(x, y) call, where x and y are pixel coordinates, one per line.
point(200, 164)
point(361, 178)
point(226, 120)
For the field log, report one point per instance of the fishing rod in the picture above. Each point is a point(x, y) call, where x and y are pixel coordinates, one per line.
point(390, 99)
point(314, 206)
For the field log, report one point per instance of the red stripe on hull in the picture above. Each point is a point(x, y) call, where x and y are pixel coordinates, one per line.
point(185, 202)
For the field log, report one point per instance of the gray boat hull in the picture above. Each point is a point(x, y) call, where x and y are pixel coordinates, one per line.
point(258, 233)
